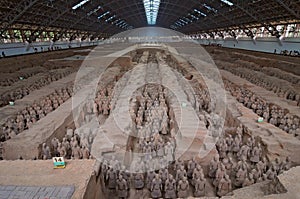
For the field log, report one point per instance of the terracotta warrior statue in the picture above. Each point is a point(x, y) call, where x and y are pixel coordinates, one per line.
point(200, 186)
point(111, 178)
point(170, 187)
point(121, 187)
point(183, 188)
point(224, 186)
point(156, 187)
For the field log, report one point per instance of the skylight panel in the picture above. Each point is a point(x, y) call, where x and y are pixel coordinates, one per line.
point(116, 21)
point(104, 14)
point(94, 11)
point(203, 14)
point(109, 19)
point(227, 2)
point(199, 12)
point(187, 19)
point(151, 9)
point(209, 8)
point(194, 17)
point(80, 4)
point(183, 21)
point(123, 25)
point(181, 24)
point(119, 23)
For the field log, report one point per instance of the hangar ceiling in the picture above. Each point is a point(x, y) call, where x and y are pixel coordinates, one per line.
point(108, 17)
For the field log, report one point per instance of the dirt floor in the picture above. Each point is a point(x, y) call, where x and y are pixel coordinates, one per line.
point(42, 173)
point(272, 79)
point(14, 64)
point(295, 60)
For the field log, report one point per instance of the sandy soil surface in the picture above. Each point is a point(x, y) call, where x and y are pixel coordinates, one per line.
point(290, 59)
point(42, 173)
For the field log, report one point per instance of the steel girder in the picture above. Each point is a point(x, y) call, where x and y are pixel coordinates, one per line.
point(16, 13)
point(291, 7)
point(254, 14)
point(229, 20)
point(53, 17)
point(233, 17)
point(40, 15)
point(44, 16)
point(80, 16)
point(131, 10)
point(171, 10)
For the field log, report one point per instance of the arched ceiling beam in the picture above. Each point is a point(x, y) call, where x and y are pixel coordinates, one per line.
point(244, 6)
point(16, 13)
point(291, 7)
